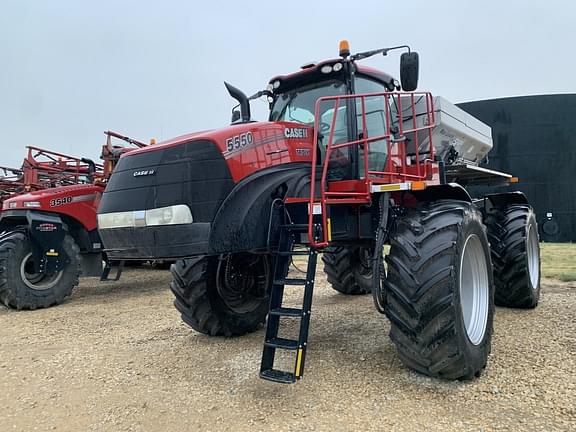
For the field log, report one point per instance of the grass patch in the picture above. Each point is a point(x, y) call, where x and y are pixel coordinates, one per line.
point(559, 261)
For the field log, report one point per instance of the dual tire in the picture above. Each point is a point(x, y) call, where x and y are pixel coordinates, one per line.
point(515, 247)
point(447, 268)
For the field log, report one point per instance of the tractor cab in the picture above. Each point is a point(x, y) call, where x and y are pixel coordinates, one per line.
point(326, 97)
point(294, 97)
point(366, 131)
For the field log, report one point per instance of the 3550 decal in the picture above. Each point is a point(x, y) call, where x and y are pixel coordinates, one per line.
point(60, 201)
point(239, 141)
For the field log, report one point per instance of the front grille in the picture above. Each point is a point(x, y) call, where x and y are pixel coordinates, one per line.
point(192, 173)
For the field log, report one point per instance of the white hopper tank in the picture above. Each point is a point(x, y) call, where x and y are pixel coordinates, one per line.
point(455, 128)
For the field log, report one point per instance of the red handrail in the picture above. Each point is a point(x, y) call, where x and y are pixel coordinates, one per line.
point(396, 169)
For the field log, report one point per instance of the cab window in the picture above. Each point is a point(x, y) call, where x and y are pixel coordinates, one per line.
point(376, 122)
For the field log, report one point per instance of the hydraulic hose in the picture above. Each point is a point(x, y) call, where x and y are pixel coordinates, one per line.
point(377, 259)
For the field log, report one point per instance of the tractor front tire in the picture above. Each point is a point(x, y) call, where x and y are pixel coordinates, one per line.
point(439, 290)
point(349, 270)
point(223, 296)
point(21, 288)
point(515, 248)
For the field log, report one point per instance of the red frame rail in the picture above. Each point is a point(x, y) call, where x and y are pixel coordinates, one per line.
point(11, 182)
point(397, 169)
point(111, 153)
point(45, 168)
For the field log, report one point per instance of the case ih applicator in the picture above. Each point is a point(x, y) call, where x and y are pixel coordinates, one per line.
point(346, 164)
point(48, 225)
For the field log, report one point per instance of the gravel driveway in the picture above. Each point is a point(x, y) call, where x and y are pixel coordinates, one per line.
point(117, 357)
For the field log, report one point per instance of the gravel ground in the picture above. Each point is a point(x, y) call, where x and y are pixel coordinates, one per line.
point(116, 357)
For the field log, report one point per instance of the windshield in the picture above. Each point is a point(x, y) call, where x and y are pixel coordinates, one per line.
point(298, 105)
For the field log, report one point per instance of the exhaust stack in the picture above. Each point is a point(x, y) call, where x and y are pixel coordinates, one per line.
point(242, 100)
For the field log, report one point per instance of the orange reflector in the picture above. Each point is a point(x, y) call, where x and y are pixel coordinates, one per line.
point(419, 185)
point(344, 48)
point(152, 141)
point(514, 180)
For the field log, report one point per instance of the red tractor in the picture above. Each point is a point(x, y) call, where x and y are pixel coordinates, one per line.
point(346, 164)
point(48, 228)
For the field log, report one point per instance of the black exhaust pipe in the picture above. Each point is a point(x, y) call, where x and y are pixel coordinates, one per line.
point(242, 100)
point(91, 168)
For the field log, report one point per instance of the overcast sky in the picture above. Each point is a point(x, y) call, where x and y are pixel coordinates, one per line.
point(71, 69)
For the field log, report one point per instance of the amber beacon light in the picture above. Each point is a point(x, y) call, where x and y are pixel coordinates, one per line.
point(344, 48)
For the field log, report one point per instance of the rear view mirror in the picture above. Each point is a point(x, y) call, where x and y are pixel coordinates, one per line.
point(235, 116)
point(409, 71)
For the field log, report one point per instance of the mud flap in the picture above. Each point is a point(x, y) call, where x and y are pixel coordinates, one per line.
point(46, 238)
point(92, 264)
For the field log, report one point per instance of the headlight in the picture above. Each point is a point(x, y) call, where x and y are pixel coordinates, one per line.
point(326, 69)
point(116, 220)
point(173, 215)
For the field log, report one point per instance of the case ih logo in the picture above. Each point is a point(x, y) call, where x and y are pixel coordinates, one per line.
point(143, 173)
point(296, 133)
point(46, 227)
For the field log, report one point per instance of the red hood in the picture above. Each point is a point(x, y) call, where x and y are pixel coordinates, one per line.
point(77, 201)
point(73, 190)
point(250, 147)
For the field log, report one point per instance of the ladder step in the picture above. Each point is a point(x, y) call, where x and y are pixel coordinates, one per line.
point(278, 376)
point(295, 227)
point(277, 342)
point(290, 282)
point(293, 253)
point(288, 312)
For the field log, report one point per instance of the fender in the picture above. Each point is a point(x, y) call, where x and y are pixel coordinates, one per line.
point(506, 198)
point(46, 232)
point(241, 223)
point(88, 241)
point(445, 191)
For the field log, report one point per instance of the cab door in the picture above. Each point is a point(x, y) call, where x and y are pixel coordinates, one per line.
point(376, 124)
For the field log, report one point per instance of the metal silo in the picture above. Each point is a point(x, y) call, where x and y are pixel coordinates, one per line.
point(535, 140)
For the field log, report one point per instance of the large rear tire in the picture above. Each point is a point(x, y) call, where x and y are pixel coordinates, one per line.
point(515, 248)
point(349, 270)
point(223, 296)
point(21, 288)
point(439, 290)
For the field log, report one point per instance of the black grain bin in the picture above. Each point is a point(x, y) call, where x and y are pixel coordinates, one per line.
point(535, 140)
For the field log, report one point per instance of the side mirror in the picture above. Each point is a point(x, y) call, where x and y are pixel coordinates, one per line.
point(235, 116)
point(409, 71)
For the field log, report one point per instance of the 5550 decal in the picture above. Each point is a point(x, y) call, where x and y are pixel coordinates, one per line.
point(239, 141)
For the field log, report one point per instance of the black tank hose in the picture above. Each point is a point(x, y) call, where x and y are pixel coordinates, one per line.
point(377, 259)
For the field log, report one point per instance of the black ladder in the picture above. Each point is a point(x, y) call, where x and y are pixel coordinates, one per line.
point(289, 235)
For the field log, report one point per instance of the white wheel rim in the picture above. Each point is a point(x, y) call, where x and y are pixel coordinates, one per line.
point(37, 281)
point(474, 289)
point(533, 256)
